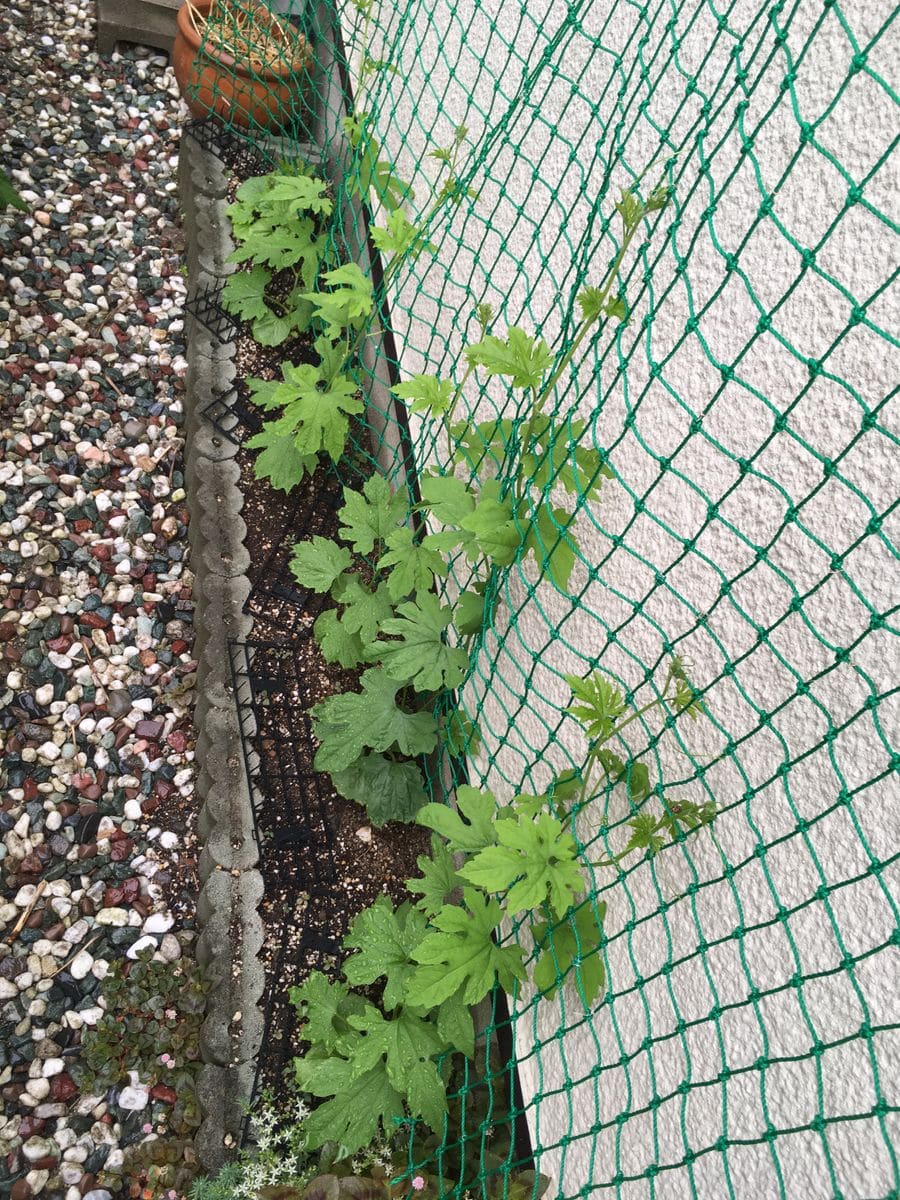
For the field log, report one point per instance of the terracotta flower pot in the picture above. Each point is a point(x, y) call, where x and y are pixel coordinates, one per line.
point(253, 94)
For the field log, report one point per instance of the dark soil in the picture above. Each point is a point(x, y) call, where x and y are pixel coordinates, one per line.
point(322, 861)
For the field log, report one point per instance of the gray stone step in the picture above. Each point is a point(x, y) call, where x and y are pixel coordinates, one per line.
point(147, 22)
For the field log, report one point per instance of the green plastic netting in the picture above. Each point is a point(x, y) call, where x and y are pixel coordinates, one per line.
point(748, 1039)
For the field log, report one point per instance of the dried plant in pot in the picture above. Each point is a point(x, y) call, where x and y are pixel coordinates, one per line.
point(238, 60)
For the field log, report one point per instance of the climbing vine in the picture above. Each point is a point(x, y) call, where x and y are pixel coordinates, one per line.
point(504, 494)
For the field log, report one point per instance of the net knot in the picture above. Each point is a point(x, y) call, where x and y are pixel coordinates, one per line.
point(869, 421)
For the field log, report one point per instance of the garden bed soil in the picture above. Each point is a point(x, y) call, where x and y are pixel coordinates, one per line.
point(306, 909)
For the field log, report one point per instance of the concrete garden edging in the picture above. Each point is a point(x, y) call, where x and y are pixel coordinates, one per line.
point(229, 926)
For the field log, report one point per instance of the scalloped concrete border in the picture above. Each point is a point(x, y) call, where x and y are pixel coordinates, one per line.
point(230, 929)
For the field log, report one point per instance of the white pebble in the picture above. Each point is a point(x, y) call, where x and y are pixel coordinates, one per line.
point(159, 923)
point(80, 964)
point(38, 1088)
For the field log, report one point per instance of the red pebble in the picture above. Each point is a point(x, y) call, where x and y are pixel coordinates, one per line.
point(29, 1126)
point(121, 850)
point(82, 525)
point(113, 897)
point(63, 1087)
point(132, 888)
point(30, 788)
point(177, 739)
point(7, 631)
point(93, 620)
point(167, 1095)
point(179, 646)
point(148, 729)
point(59, 644)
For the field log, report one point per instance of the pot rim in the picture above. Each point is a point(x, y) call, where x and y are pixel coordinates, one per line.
point(221, 57)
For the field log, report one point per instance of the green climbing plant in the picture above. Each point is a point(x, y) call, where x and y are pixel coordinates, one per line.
point(492, 866)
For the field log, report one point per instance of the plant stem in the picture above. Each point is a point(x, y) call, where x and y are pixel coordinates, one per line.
point(617, 729)
point(580, 334)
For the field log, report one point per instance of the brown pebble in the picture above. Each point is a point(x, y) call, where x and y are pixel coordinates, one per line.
point(55, 932)
point(121, 850)
point(21, 1190)
point(63, 1087)
point(7, 631)
point(44, 1164)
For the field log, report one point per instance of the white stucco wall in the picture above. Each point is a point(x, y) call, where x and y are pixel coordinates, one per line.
point(792, 947)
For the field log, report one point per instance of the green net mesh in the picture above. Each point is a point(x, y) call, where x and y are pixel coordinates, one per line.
point(746, 1043)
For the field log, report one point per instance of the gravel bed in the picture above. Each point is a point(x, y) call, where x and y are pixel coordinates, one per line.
point(96, 813)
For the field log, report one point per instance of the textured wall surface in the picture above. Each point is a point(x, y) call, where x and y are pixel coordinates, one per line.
point(753, 973)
